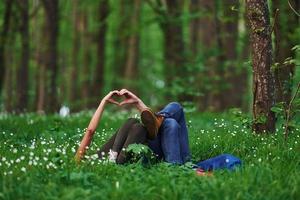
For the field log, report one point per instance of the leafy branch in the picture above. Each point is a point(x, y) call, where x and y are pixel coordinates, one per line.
point(288, 111)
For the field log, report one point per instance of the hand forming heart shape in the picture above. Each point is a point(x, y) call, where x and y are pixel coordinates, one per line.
point(122, 97)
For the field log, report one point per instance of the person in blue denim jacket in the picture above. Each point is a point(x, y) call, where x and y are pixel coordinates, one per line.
point(165, 132)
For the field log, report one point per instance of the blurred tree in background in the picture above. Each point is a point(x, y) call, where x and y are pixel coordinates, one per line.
point(71, 52)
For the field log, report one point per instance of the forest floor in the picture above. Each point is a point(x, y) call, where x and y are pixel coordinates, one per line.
point(36, 162)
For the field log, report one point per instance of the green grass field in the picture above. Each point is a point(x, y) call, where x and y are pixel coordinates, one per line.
point(36, 162)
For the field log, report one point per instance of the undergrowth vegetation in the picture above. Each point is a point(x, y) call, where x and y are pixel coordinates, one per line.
point(36, 161)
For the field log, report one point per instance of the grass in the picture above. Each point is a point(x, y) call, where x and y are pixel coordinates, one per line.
point(36, 162)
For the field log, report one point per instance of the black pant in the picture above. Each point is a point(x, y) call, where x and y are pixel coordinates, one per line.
point(131, 132)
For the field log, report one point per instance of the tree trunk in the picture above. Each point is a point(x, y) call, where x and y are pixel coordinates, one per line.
point(76, 20)
point(8, 86)
point(52, 19)
point(22, 74)
point(173, 43)
point(126, 44)
point(263, 81)
point(209, 39)
point(98, 82)
point(235, 77)
point(39, 57)
point(131, 64)
point(285, 40)
point(194, 26)
point(3, 38)
point(86, 83)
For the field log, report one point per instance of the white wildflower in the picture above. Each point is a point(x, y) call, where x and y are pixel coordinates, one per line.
point(23, 169)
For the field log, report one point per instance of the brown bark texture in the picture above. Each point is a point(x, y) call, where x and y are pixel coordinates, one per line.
point(263, 81)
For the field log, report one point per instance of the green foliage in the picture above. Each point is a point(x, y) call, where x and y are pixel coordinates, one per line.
point(286, 114)
point(240, 117)
point(140, 153)
point(47, 170)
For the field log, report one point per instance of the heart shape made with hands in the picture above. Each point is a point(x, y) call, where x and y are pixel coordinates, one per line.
point(121, 98)
point(118, 98)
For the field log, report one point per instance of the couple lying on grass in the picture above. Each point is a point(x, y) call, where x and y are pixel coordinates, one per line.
point(164, 132)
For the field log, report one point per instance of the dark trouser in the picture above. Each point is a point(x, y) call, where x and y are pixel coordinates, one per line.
point(131, 132)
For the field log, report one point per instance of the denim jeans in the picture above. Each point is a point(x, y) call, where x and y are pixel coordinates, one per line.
point(172, 142)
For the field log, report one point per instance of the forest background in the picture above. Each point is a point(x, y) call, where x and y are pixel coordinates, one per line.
point(55, 53)
point(210, 55)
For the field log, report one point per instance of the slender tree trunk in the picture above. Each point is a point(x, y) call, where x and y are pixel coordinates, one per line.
point(75, 53)
point(86, 83)
point(3, 38)
point(41, 87)
point(209, 39)
point(263, 81)
point(131, 65)
point(22, 74)
point(126, 43)
point(284, 30)
point(235, 76)
point(98, 83)
point(173, 43)
point(8, 87)
point(52, 18)
point(40, 57)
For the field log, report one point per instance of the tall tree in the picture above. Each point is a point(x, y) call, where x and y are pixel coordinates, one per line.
point(98, 81)
point(206, 40)
point(51, 8)
point(76, 22)
point(126, 43)
point(263, 81)
point(22, 74)
point(86, 42)
point(131, 64)
point(3, 39)
point(285, 40)
point(173, 40)
point(234, 75)
point(214, 38)
point(169, 14)
point(39, 54)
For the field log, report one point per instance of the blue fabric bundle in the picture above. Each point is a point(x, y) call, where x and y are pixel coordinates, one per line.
point(223, 161)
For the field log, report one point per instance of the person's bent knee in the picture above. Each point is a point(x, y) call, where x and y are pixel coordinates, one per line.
point(170, 123)
point(176, 105)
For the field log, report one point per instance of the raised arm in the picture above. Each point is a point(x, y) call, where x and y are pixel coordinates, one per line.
point(87, 138)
